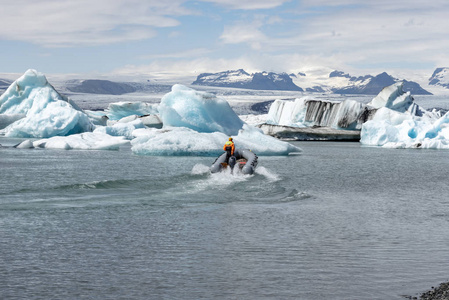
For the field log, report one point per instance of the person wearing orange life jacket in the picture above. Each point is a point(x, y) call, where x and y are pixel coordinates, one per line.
point(229, 148)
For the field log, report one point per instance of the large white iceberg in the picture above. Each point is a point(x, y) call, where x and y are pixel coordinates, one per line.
point(199, 123)
point(401, 123)
point(307, 112)
point(394, 98)
point(391, 129)
point(200, 111)
point(182, 141)
point(46, 112)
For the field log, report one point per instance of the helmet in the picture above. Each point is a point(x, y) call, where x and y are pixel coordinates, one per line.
point(230, 138)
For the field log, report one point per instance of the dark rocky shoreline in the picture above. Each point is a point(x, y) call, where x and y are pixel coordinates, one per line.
point(436, 293)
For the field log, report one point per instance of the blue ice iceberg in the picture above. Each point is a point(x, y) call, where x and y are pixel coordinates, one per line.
point(46, 112)
point(391, 129)
point(199, 123)
point(401, 123)
point(200, 111)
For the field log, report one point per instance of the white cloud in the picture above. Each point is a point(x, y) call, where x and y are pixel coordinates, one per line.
point(248, 4)
point(244, 33)
point(182, 54)
point(62, 23)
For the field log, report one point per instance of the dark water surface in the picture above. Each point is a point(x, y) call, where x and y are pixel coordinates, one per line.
point(339, 221)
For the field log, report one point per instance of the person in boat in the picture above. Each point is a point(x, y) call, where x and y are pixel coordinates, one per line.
point(229, 147)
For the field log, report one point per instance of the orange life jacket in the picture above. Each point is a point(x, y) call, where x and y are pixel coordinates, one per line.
point(229, 146)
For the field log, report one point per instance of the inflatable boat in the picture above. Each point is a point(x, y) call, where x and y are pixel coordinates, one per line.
point(244, 159)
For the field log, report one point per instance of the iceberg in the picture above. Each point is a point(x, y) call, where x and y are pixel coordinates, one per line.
point(182, 141)
point(391, 119)
point(401, 123)
point(306, 112)
point(81, 141)
point(393, 97)
point(199, 123)
point(186, 122)
point(200, 111)
point(47, 113)
point(390, 129)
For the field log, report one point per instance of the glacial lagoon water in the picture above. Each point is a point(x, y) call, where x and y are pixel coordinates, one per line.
point(339, 221)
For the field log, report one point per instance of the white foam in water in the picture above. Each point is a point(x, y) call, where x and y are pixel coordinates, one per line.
point(199, 169)
point(268, 174)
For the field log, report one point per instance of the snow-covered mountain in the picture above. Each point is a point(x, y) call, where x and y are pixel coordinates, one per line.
point(440, 77)
point(336, 82)
point(241, 79)
point(372, 85)
point(312, 80)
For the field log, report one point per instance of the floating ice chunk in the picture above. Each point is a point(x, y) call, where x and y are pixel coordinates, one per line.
point(391, 129)
point(395, 98)
point(82, 141)
point(185, 141)
point(124, 129)
point(25, 145)
point(48, 113)
point(178, 141)
point(200, 111)
point(119, 110)
point(254, 139)
point(307, 112)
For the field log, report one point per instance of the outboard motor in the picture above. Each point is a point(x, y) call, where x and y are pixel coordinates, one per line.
point(232, 161)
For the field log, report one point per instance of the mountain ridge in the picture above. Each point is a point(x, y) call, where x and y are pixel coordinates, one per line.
point(368, 84)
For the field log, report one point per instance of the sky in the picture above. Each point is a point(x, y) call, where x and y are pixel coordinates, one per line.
point(178, 38)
